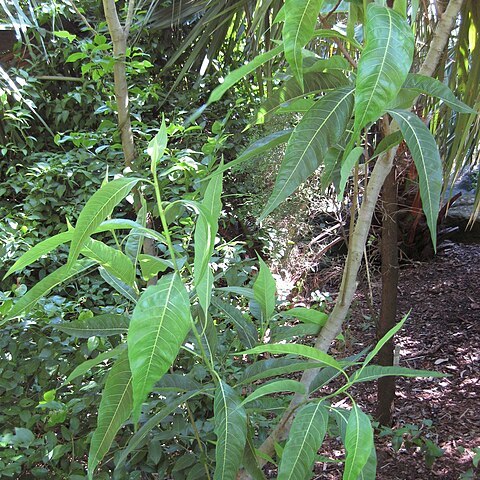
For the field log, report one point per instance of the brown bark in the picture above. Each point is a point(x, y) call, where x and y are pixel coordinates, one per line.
point(388, 309)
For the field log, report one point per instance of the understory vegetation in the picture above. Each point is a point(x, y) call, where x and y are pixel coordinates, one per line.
point(173, 176)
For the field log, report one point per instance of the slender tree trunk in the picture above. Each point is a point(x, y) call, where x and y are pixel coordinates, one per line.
point(388, 309)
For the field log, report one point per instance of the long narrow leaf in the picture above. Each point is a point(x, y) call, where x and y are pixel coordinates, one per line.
point(121, 287)
point(300, 20)
point(111, 259)
point(302, 350)
point(424, 150)
point(231, 431)
point(264, 289)
point(372, 372)
point(96, 210)
point(275, 387)
point(358, 443)
point(305, 438)
point(383, 65)
point(159, 324)
point(99, 326)
point(321, 128)
point(44, 286)
point(435, 88)
point(115, 408)
point(237, 75)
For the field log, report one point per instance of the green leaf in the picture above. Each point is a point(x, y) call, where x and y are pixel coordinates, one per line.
point(320, 128)
point(238, 74)
point(369, 471)
point(159, 324)
point(84, 367)
point(204, 239)
point(305, 438)
point(264, 289)
point(247, 333)
point(346, 168)
point(64, 34)
point(290, 91)
point(231, 431)
point(151, 265)
point(98, 326)
point(151, 423)
point(435, 88)
point(287, 332)
point(424, 150)
point(372, 372)
point(274, 367)
point(115, 408)
point(256, 149)
point(302, 350)
point(250, 460)
point(96, 210)
point(156, 147)
point(308, 315)
point(383, 65)
point(275, 387)
point(384, 340)
point(111, 259)
point(300, 20)
point(43, 287)
point(358, 443)
point(38, 250)
point(134, 243)
point(242, 291)
point(390, 141)
point(121, 287)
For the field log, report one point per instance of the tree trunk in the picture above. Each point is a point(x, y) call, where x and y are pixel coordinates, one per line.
point(388, 309)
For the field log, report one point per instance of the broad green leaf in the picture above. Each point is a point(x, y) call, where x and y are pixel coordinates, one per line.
point(231, 431)
point(264, 289)
point(238, 74)
point(320, 128)
point(372, 372)
point(299, 105)
point(331, 172)
point(247, 333)
point(306, 436)
point(302, 350)
point(274, 367)
point(308, 315)
point(159, 324)
point(96, 210)
point(121, 287)
point(331, 33)
point(175, 382)
point(346, 168)
point(38, 250)
point(85, 366)
point(358, 443)
point(151, 266)
point(256, 149)
point(99, 326)
point(208, 332)
point(111, 259)
point(156, 147)
point(275, 387)
point(204, 239)
point(43, 287)
point(300, 20)
point(435, 88)
point(151, 423)
point(383, 65)
point(290, 91)
point(424, 150)
point(115, 408)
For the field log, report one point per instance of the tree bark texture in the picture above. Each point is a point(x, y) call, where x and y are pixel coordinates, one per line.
point(388, 309)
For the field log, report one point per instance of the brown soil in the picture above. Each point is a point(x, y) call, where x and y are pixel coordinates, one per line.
point(441, 334)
